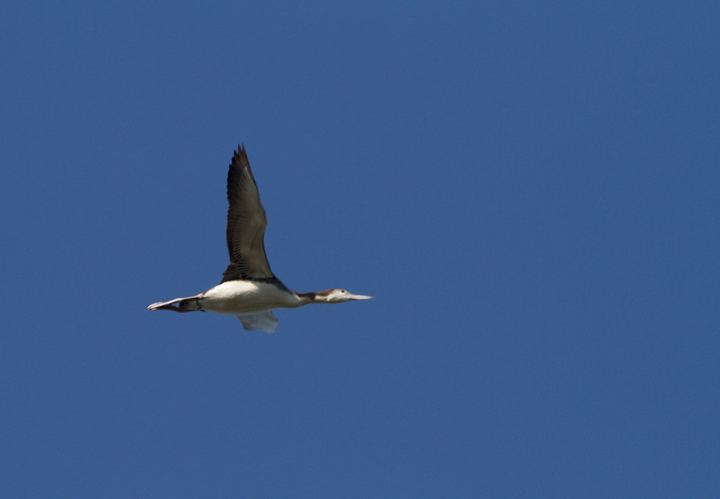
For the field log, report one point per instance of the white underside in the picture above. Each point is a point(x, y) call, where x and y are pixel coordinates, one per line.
point(244, 297)
point(259, 321)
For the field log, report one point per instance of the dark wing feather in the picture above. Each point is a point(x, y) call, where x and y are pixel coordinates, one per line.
point(246, 223)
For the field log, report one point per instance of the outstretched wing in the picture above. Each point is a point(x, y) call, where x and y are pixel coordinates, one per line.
point(259, 321)
point(246, 223)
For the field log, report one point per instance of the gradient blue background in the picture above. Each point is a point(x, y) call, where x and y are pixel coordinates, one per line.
point(528, 189)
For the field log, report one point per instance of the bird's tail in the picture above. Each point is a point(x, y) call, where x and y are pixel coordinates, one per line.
point(189, 304)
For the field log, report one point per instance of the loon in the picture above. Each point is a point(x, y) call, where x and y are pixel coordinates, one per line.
point(249, 290)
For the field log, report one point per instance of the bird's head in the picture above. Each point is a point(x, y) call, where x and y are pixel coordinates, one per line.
point(337, 296)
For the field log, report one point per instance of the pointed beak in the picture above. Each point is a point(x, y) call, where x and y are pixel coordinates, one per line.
point(359, 297)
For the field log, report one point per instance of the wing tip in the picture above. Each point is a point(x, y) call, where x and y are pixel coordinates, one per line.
point(240, 153)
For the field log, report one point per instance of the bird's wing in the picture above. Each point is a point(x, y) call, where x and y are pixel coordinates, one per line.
point(246, 223)
point(259, 321)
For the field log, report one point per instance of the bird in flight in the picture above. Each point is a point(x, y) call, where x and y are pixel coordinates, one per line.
point(249, 290)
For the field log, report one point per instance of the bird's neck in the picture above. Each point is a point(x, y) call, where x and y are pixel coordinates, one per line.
point(306, 298)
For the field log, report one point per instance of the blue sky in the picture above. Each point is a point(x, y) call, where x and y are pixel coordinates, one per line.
point(529, 190)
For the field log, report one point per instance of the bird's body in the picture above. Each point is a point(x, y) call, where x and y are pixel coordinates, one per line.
point(243, 297)
point(249, 290)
